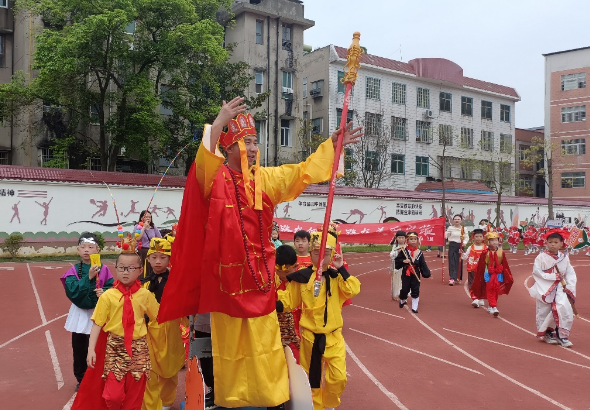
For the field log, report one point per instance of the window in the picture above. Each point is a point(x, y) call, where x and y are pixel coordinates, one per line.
point(348, 159)
point(504, 113)
point(487, 140)
point(506, 143)
point(398, 93)
point(466, 170)
point(287, 85)
point(574, 147)
point(371, 161)
point(422, 164)
point(423, 98)
point(94, 120)
point(286, 37)
point(304, 87)
point(166, 94)
point(317, 85)
point(525, 184)
point(486, 110)
point(46, 155)
point(423, 133)
point(341, 87)
point(506, 174)
point(522, 154)
point(372, 124)
point(285, 133)
point(445, 134)
point(373, 88)
point(573, 114)
point(316, 125)
point(260, 127)
point(466, 137)
point(398, 163)
point(399, 130)
point(259, 31)
point(4, 4)
point(4, 157)
point(445, 101)
point(573, 180)
point(259, 81)
point(447, 168)
point(573, 81)
point(467, 106)
point(94, 164)
point(130, 28)
point(349, 116)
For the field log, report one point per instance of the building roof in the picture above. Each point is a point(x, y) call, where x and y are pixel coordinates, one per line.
point(424, 66)
point(11, 172)
point(526, 135)
point(566, 51)
point(455, 186)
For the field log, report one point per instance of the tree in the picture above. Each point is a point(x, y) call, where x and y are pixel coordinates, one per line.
point(368, 160)
point(496, 168)
point(145, 74)
point(539, 157)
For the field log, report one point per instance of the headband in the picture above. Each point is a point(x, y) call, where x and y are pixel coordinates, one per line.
point(87, 240)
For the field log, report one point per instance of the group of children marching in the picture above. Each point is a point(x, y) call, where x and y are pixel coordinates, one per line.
point(131, 361)
point(489, 276)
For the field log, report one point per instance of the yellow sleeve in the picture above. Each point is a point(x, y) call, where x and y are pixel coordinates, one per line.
point(290, 297)
point(350, 287)
point(207, 163)
point(101, 312)
point(287, 182)
point(152, 306)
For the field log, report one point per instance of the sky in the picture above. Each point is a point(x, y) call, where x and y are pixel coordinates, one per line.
point(500, 41)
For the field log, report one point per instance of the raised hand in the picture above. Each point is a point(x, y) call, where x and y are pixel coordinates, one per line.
point(229, 110)
point(337, 261)
point(351, 135)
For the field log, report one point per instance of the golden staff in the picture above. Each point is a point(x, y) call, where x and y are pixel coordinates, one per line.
point(351, 70)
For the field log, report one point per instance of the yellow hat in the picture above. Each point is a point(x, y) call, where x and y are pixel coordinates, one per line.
point(160, 245)
point(492, 235)
point(316, 240)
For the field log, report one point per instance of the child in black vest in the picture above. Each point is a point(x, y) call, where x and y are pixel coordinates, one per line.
point(411, 259)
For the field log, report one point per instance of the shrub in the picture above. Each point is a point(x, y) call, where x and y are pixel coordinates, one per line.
point(100, 239)
point(12, 244)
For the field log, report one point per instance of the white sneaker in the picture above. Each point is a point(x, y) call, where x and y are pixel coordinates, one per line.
point(475, 303)
point(491, 310)
point(496, 312)
point(481, 302)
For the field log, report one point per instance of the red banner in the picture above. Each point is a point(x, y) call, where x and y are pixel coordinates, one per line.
point(431, 231)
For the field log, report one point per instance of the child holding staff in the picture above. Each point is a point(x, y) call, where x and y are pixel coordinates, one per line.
point(411, 260)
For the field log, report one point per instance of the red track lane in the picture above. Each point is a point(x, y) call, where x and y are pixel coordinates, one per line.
point(454, 364)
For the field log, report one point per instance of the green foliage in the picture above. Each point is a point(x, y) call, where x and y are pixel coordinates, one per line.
point(153, 71)
point(12, 244)
point(100, 239)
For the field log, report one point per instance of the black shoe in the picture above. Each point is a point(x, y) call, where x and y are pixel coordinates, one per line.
point(401, 304)
point(210, 400)
point(77, 387)
point(415, 311)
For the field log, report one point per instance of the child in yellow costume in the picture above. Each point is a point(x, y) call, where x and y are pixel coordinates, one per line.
point(322, 344)
point(165, 341)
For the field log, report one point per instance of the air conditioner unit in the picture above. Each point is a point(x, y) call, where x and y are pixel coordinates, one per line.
point(316, 92)
point(287, 90)
point(428, 114)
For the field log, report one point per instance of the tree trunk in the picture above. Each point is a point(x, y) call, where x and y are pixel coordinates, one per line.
point(550, 187)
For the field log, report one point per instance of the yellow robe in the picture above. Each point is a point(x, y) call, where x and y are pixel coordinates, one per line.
point(312, 322)
point(249, 363)
point(167, 356)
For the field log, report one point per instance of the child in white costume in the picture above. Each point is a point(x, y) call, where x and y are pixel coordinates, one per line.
point(555, 290)
point(398, 242)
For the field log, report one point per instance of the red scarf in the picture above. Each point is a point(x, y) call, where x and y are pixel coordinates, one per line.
point(128, 314)
point(410, 269)
point(494, 266)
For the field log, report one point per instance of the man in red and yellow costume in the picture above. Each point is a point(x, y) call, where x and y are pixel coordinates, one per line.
point(223, 258)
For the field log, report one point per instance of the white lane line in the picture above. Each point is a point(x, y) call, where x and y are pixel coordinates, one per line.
point(32, 330)
point(56, 369)
point(373, 310)
point(487, 366)
point(516, 348)
point(377, 383)
point(418, 352)
point(70, 402)
point(41, 312)
point(371, 271)
point(585, 320)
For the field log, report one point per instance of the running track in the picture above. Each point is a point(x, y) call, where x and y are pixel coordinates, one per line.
point(449, 356)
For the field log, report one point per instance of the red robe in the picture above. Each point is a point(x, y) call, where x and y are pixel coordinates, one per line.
point(89, 396)
point(221, 279)
point(478, 288)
